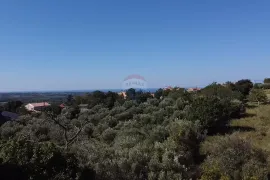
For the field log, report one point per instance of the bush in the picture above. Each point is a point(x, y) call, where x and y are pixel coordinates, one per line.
point(266, 86)
point(89, 130)
point(209, 111)
point(108, 135)
point(181, 103)
point(129, 104)
point(234, 158)
point(184, 131)
point(258, 86)
point(153, 102)
point(9, 130)
point(125, 116)
point(244, 86)
point(267, 81)
point(166, 102)
point(175, 94)
point(215, 89)
point(39, 161)
point(237, 109)
point(257, 95)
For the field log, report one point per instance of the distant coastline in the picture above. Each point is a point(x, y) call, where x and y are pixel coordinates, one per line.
point(74, 91)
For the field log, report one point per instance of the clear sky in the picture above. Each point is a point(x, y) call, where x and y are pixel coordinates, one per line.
point(95, 44)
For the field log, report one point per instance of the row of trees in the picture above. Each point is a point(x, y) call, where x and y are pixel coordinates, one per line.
point(264, 85)
point(266, 81)
point(12, 106)
point(140, 137)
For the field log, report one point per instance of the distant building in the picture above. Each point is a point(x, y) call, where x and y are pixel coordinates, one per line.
point(62, 106)
point(123, 94)
point(36, 106)
point(168, 88)
point(193, 89)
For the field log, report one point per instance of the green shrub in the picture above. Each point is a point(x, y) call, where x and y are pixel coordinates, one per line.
point(257, 95)
point(181, 103)
point(39, 161)
point(209, 110)
point(244, 86)
point(108, 135)
point(266, 86)
point(234, 158)
point(166, 102)
point(258, 86)
point(267, 81)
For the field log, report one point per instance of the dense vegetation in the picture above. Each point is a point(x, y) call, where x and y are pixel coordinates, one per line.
point(138, 137)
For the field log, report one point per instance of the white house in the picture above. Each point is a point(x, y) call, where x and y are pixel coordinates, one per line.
point(36, 106)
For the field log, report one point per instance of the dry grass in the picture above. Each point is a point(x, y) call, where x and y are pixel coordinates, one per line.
point(259, 119)
point(254, 128)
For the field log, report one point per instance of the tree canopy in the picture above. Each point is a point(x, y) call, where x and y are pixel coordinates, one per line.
point(102, 135)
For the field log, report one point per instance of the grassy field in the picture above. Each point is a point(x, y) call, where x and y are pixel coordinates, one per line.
point(255, 128)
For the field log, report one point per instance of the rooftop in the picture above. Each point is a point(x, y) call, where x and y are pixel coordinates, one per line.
point(41, 104)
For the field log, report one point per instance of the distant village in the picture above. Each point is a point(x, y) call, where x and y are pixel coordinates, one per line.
point(37, 107)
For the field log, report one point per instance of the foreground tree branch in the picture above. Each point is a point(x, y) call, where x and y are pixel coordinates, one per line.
point(68, 140)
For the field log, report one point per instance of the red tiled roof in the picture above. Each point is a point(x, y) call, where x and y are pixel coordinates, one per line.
point(193, 89)
point(41, 104)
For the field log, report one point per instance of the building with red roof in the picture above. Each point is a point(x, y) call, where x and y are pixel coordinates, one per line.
point(36, 106)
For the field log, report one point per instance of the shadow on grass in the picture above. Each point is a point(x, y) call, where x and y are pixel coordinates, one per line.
point(247, 115)
point(222, 130)
point(251, 106)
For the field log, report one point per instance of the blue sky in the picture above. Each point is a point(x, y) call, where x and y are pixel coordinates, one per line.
point(72, 45)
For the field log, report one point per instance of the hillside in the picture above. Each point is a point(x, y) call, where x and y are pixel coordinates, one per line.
point(208, 134)
point(253, 129)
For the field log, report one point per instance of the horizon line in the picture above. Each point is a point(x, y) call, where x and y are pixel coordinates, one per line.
point(85, 90)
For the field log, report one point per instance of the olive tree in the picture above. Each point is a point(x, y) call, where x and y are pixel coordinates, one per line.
point(257, 95)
